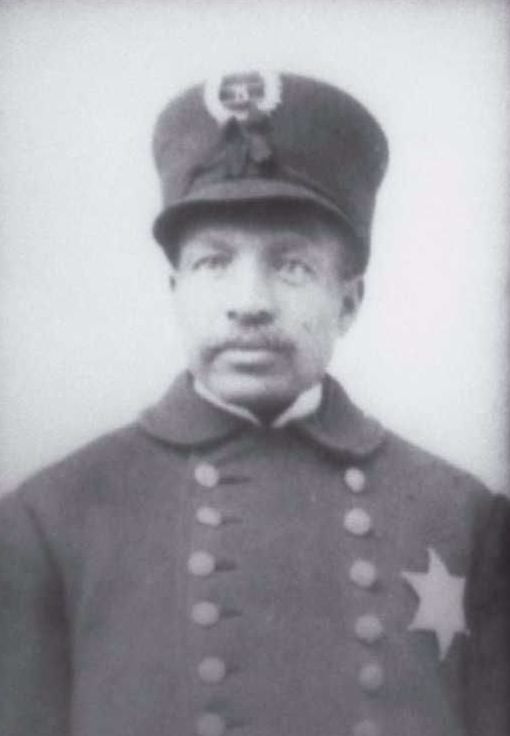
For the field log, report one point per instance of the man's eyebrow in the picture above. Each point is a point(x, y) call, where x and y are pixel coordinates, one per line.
point(293, 242)
point(210, 242)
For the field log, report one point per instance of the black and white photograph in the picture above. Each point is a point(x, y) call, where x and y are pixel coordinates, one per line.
point(254, 322)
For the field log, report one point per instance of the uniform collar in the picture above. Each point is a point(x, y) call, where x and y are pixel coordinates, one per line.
point(306, 403)
point(185, 419)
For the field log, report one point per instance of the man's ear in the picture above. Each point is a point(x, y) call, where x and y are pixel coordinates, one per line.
point(352, 296)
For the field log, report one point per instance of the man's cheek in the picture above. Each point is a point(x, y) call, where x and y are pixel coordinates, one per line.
point(308, 328)
point(314, 328)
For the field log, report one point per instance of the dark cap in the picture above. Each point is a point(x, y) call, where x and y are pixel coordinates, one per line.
point(258, 136)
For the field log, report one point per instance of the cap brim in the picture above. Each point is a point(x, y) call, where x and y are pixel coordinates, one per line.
point(245, 190)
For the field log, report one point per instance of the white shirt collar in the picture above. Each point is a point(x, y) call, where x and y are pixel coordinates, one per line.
point(305, 404)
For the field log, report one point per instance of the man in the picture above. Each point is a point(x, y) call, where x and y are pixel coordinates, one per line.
point(256, 556)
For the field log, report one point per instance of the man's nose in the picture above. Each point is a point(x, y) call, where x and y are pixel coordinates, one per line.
point(250, 297)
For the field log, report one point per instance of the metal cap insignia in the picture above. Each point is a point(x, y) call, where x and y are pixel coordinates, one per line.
point(241, 95)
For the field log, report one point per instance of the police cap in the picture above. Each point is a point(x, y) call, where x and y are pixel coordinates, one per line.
point(263, 136)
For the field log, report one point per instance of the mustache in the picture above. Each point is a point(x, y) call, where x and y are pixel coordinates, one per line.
point(254, 341)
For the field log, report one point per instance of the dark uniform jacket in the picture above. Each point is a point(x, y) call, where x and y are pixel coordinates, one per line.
point(196, 574)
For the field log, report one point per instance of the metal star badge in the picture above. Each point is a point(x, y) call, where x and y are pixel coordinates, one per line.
point(441, 602)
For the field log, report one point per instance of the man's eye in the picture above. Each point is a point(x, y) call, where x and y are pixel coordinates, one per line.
point(213, 262)
point(294, 270)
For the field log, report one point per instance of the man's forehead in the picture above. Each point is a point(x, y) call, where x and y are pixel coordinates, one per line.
point(261, 238)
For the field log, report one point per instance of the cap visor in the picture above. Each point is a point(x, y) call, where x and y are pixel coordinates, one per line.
point(245, 190)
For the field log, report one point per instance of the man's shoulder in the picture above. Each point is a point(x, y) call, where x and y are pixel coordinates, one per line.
point(110, 448)
point(405, 456)
point(394, 457)
point(430, 487)
point(101, 463)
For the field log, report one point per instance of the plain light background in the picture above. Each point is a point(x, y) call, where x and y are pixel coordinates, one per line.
point(87, 337)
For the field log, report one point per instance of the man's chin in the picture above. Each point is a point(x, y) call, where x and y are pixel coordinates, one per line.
point(253, 391)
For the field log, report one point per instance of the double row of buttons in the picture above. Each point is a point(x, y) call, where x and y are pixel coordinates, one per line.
point(368, 627)
point(211, 670)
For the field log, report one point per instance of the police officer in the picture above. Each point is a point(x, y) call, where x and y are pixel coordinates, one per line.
point(255, 556)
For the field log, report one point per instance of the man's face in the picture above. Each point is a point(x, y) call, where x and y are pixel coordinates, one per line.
point(261, 300)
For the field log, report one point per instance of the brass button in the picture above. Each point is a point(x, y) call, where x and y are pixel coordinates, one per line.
point(358, 522)
point(208, 516)
point(210, 724)
point(355, 480)
point(206, 475)
point(366, 728)
point(201, 563)
point(363, 573)
point(212, 670)
point(371, 677)
point(205, 613)
point(368, 628)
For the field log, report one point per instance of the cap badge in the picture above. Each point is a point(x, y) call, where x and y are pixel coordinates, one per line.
point(242, 96)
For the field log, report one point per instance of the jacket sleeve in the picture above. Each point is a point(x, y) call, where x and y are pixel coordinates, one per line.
point(34, 652)
point(489, 608)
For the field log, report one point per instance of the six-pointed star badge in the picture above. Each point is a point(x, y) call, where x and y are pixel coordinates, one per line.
point(441, 602)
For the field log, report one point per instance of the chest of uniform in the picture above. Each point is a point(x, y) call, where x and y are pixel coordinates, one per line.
point(323, 575)
point(298, 533)
point(275, 572)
